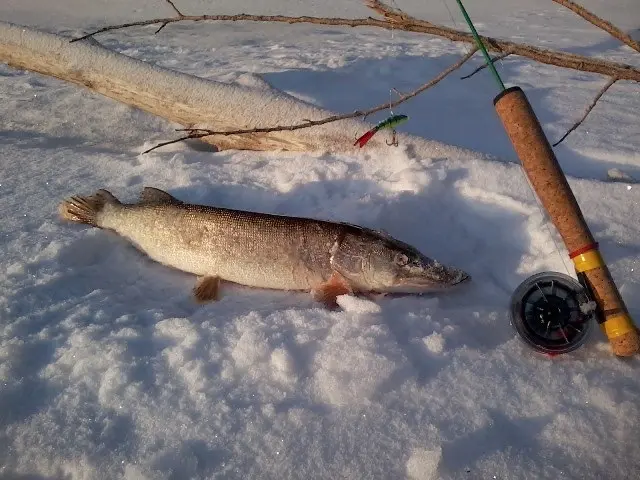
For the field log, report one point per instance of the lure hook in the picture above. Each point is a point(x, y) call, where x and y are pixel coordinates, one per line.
point(394, 139)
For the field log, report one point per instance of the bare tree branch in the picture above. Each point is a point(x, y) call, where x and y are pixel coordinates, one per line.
point(495, 59)
point(402, 21)
point(243, 17)
point(230, 136)
point(600, 23)
point(201, 132)
point(395, 20)
point(178, 12)
point(602, 91)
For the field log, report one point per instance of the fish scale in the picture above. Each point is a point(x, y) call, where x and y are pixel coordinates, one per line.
point(254, 249)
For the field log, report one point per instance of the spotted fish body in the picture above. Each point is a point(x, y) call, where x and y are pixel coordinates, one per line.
point(261, 250)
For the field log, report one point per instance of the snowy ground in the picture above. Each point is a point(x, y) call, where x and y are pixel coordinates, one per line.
point(109, 370)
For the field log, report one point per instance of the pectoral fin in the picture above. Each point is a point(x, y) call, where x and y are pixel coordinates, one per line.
point(328, 291)
point(207, 289)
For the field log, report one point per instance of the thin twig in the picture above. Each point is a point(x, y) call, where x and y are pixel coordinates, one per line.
point(608, 27)
point(203, 132)
point(495, 59)
point(602, 91)
point(169, 142)
point(175, 8)
point(409, 24)
point(161, 27)
point(243, 17)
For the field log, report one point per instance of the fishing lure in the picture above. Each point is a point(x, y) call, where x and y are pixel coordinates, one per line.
point(392, 122)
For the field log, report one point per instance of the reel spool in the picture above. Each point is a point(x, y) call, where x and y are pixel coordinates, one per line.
point(552, 313)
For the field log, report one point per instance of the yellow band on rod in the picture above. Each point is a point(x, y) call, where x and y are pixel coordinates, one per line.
point(588, 261)
point(617, 325)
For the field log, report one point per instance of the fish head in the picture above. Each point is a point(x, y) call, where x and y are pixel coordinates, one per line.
point(374, 261)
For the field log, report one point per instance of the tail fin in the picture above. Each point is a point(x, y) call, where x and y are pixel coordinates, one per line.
point(85, 209)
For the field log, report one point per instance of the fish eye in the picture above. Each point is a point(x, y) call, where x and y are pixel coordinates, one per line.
point(401, 259)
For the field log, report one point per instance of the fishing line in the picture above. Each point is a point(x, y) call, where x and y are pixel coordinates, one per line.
point(455, 24)
point(395, 5)
point(444, 2)
point(545, 216)
point(500, 83)
point(392, 120)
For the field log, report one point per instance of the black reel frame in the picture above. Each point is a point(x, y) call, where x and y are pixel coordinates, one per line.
point(553, 313)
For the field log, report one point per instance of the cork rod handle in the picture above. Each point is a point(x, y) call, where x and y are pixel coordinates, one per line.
point(551, 186)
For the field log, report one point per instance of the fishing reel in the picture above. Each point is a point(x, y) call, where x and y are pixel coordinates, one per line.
point(553, 313)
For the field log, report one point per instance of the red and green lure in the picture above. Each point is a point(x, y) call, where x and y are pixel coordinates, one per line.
point(392, 122)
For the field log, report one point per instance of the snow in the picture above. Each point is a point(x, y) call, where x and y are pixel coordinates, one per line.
point(423, 464)
point(108, 369)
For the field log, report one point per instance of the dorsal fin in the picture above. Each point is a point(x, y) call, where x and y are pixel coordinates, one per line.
point(155, 196)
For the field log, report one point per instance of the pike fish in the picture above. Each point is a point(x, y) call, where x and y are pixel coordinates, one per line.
point(324, 258)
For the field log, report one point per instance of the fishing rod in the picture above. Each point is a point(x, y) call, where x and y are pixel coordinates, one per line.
point(481, 46)
point(551, 311)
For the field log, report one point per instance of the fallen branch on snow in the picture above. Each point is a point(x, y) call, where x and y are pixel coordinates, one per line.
point(241, 134)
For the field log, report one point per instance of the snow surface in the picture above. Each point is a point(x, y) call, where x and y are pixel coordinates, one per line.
point(109, 370)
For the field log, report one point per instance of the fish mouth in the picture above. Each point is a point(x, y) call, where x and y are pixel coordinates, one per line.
point(423, 284)
point(462, 278)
